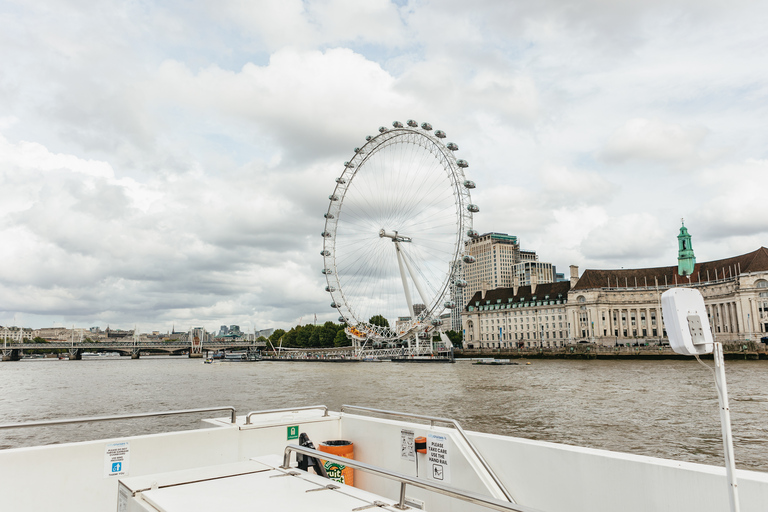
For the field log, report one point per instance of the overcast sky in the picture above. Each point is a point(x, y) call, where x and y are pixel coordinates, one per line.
point(169, 163)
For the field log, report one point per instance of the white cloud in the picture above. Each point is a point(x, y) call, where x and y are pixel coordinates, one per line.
point(733, 202)
point(647, 140)
point(172, 161)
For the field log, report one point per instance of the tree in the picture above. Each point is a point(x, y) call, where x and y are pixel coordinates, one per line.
point(341, 339)
point(378, 320)
point(456, 338)
point(275, 336)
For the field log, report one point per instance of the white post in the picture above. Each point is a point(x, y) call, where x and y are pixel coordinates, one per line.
point(405, 281)
point(725, 423)
point(416, 281)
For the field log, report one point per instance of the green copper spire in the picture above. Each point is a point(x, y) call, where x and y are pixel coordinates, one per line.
point(685, 258)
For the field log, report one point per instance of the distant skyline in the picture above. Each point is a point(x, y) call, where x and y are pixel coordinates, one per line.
point(169, 164)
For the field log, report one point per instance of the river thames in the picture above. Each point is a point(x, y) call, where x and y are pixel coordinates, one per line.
point(662, 408)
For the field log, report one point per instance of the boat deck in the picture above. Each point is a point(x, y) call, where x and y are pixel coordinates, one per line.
point(244, 486)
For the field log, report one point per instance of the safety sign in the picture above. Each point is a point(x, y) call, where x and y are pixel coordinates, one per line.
point(116, 459)
point(407, 448)
point(437, 455)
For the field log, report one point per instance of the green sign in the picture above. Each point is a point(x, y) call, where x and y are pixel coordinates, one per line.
point(293, 432)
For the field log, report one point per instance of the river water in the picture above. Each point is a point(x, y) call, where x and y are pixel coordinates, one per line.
point(664, 409)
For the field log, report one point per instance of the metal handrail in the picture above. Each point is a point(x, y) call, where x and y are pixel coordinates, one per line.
point(324, 408)
point(47, 423)
point(404, 480)
point(432, 420)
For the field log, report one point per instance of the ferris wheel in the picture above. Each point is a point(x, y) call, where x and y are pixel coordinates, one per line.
point(396, 229)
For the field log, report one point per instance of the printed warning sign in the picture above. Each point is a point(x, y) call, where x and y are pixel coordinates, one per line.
point(116, 459)
point(407, 447)
point(437, 457)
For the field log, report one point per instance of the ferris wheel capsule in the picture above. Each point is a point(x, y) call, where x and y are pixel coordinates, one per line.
point(328, 215)
point(452, 146)
point(462, 163)
point(330, 289)
point(349, 165)
point(412, 123)
point(368, 137)
point(340, 180)
point(473, 208)
point(426, 126)
point(334, 305)
point(357, 150)
point(460, 283)
point(449, 304)
point(397, 124)
point(383, 129)
point(327, 271)
point(468, 258)
point(469, 184)
point(440, 134)
point(342, 320)
point(325, 234)
point(325, 252)
point(333, 197)
point(436, 322)
point(473, 233)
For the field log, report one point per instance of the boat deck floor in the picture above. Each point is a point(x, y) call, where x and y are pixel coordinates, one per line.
point(258, 484)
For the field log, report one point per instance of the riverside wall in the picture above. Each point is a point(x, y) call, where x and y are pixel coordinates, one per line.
point(740, 350)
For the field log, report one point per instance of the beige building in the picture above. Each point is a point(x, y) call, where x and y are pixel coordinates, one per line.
point(622, 306)
point(497, 258)
point(526, 316)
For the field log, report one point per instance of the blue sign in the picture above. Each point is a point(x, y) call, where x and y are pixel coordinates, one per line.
point(116, 466)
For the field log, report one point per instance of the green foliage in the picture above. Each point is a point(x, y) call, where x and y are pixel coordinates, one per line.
point(456, 338)
point(275, 336)
point(379, 320)
point(341, 339)
point(262, 339)
point(312, 336)
point(38, 339)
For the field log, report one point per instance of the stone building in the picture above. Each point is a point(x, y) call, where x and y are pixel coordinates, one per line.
point(525, 316)
point(498, 260)
point(624, 306)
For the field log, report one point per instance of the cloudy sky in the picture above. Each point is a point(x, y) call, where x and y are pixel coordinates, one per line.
point(168, 163)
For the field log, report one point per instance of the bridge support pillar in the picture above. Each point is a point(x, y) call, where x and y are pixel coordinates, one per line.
point(135, 354)
point(11, 355)
point(195, 354)
point(75, 354)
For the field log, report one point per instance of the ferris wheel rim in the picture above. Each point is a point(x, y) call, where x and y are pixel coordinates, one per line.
point(462, 212)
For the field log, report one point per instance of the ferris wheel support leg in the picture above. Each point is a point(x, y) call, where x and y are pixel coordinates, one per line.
point(405, 281)
point(416, 282)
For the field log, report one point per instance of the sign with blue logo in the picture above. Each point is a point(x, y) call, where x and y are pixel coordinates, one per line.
point(116, 458)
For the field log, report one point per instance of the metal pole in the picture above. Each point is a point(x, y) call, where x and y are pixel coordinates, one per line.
point(725, 423)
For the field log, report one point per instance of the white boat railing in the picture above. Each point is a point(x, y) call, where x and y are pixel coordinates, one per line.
point(470, 497)
point(47, 423)
point(323, 408)
point(432, 420)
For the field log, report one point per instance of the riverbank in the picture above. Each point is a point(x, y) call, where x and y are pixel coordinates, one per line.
point(732, 351)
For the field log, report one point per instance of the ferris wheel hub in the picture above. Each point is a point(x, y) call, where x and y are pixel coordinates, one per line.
point(383, 233)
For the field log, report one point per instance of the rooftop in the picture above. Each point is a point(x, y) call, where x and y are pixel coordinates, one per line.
point(755, 261)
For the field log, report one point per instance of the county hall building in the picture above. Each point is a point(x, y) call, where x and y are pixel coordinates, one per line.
point(611, 307)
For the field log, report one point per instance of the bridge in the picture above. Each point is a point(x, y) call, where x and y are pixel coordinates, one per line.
point(12, 351)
